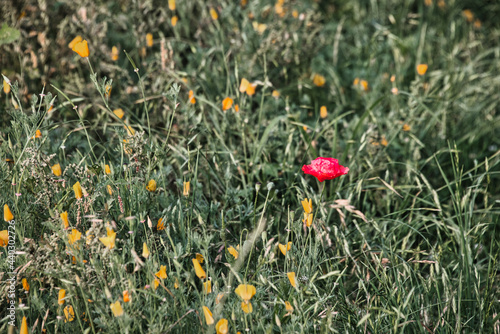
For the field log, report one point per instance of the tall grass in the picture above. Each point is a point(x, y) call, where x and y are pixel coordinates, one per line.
point(406, 242)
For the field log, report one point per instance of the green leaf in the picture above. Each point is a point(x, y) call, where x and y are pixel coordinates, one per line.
point(8, 34)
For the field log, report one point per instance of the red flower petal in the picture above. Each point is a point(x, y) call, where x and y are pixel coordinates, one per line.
point(325, 169)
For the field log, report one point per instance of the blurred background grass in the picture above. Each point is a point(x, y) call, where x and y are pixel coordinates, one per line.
point(412, 248)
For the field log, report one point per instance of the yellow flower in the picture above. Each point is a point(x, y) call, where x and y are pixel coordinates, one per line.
point(275, 94)
point(307, 205)
point(62, 294)
point(246, 307)
point(74, 236)
point(244, 85)
point(191, 97)
point(24, 326)
point(308, 218)
point(110, 190)
point(64, 217)
point(291, 278)
point(107, 90)
point(89, 237)
point(109, 241)
point(406, 127)
point(176, 283)
point(145, 250)
point(421, 69)
point(469, 16)
point(208, 315)
point(56, 169)
point(285, 248)
point(116, 308)
point(4, 238)
point(384, 141)
point(245, 291)
point(119, 113)
point(114, 53)
point(323, 112)
point(171, 4)
point(151, 185)
point(214, 14)
point(295, 14)
point(207, 286)
point(289, 308)
point(82, 48)
point(259, 27)
point(199, 270)
point(26, 285)
point(160, 226)
point(236, 108)
point(187, 186)
point(69, 313)
point(75, 40)
point(6, 87)
point(199, 257)
point(477, 23)
point(319, 80)
point(364, 85)
point(221, 326)
point(218, 298)
point(251, 89)
point(7, 215)
point(126, 296)
point(233, 252)
point(428, 2)
point(130, 130)
point(77, 188)
point(162, 273)
point(227, 103)
point(174, 20)
point(156, 282)
point(149, 40)
point(38, 133)
point(107, 170)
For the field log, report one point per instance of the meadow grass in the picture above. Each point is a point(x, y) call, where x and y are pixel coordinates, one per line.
point(406, 242)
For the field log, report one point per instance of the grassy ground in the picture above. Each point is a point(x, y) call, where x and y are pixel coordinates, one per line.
point(406, 242)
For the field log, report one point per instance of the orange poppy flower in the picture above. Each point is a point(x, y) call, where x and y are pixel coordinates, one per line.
point(7, 214)
point(227, 103)
point(208, 315)
point(126, 296)
point(4, 238)
point(82, 48)
point(291, 278)
point(149, 40)
point(171, 4)
point(323, 112)
point(64, 217)
point(285, 248)
point(116, 308)
point(162, 273)
point(319, 80)
point(174, 20)
point(114, 53)
point(221, 327)
point(421, 69)
point(199, 270)
point(119, 113)
point(77, 188)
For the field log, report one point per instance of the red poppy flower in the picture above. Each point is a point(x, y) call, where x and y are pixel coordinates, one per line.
point(325, 169)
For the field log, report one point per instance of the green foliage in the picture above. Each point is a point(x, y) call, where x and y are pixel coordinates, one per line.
point(406, 242)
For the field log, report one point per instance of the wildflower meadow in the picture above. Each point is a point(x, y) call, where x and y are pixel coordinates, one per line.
point(250, 166)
